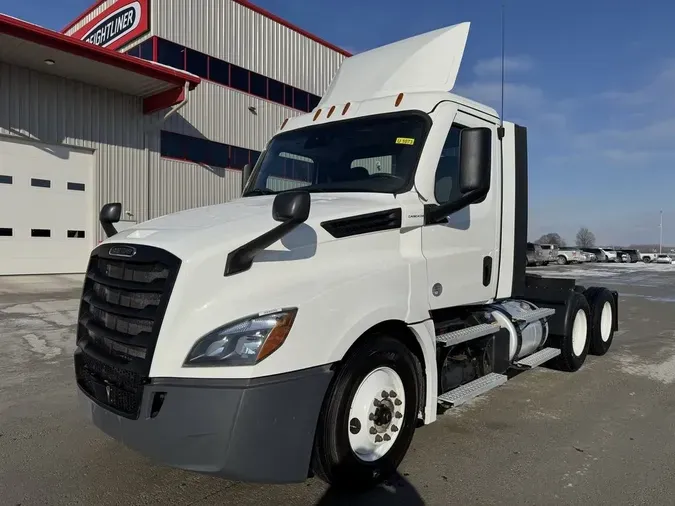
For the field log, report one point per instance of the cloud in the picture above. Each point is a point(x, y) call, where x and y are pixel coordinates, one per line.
point(493, 66)
point(658, 89)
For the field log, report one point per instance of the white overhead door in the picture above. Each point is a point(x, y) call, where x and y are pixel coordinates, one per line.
point(46, 208)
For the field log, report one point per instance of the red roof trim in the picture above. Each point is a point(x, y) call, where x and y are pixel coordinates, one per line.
point(253, 7)
point(48, 38)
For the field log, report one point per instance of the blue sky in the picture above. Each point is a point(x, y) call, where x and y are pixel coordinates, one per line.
point(593, 80)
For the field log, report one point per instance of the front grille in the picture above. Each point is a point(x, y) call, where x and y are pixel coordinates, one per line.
point(121, 313)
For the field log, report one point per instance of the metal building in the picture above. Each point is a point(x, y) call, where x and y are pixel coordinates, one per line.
point(81, 132)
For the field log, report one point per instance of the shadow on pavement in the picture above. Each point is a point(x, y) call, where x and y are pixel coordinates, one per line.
point(393, 492)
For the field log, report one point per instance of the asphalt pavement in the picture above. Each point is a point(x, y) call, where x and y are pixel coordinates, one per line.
point(602, 435)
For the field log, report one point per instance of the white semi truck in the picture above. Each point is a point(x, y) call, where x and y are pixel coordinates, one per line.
point(372, 271)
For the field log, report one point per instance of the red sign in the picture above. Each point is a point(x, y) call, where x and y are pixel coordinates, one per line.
point(119, 24)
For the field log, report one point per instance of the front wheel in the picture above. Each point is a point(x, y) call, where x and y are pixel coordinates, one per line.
point(369, 415)
point(562, 260)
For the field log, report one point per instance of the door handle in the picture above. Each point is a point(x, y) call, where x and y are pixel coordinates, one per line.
point(487, 270)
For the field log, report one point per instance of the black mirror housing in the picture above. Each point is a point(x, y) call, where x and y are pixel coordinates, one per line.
point(110, 213)
point(292, 206)
point(475, 160)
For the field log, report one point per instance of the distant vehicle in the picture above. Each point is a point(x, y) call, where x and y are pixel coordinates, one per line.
point(611, 255)
point(590, 257)
point(663, 259)
point(536, 255)
point(570, 254)
point(550, 252)
point(599, 254)
point(631, 255)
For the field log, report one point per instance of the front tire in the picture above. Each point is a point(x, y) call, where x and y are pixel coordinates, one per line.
point(562, 260)
point(369, 415)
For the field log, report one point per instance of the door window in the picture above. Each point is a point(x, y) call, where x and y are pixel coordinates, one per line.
point(446, 187)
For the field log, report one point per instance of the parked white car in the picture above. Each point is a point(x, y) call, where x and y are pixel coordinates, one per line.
point(663, 259)
point(649, 257)
point(569, 254)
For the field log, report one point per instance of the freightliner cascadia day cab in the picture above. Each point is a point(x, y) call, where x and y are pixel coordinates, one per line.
point(372, 272)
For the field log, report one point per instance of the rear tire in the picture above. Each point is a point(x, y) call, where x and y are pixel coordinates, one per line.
point(562, 260)
point(357, 444)
point(575, 343)
point(603, 319)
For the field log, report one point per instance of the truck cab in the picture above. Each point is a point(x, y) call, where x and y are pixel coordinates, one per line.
point(371, 273)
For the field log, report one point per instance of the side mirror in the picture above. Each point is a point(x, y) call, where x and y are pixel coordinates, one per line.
point(475, 160)
point(245, 175)
point(110, 213)
point(291, 207)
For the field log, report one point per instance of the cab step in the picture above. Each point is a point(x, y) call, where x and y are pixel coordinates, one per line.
point(538, 358)
point(474, 388)
point(532, 316)
point(467, 334)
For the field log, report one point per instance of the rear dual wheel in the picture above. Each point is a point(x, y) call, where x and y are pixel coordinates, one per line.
point(603, 319)
point(369, 415)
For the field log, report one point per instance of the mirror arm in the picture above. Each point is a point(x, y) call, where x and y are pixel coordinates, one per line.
point(434, 213)
point(241, 259)
point(108, 228)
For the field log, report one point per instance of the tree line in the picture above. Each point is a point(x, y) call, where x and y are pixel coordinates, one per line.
point(584, 239)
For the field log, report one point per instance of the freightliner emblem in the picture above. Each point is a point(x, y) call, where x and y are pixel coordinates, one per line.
point(122, 251)
point(114, 26)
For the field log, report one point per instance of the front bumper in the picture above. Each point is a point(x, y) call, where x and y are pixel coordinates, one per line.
point(258, 430)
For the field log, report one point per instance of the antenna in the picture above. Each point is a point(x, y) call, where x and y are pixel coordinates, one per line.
point(500, 130)
point(503, 64)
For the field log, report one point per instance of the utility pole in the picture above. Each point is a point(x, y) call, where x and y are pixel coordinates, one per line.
point(661, 233)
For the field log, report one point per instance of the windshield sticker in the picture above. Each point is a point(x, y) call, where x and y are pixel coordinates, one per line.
point(405, 140)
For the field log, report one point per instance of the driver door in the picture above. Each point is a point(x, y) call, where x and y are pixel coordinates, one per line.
point(462, 251)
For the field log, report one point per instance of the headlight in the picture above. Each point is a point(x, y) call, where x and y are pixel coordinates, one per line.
point(243, 342)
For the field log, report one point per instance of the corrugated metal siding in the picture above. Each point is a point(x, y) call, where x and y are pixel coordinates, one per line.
point(59, 111)
point(98, 10)
point(232, 32)
point(176, 186)
point(222, 114)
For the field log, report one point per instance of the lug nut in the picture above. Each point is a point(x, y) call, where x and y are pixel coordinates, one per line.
point(371, 416)
point(392, 394)
point(398, 414)
point(376, 403)
point(373, 430)
point(384, 394)
point(398, 402)
point(387, 437)
point(378, 439)
point(394, 428)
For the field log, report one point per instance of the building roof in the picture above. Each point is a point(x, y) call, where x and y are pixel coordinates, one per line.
point(32, 46)
point(245, 3)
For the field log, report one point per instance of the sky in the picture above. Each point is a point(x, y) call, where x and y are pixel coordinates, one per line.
point(593, 80)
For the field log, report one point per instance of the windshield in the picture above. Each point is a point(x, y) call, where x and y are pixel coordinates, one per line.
point(372, 154)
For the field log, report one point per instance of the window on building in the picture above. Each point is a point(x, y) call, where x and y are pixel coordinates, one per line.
point(258, 85)
point(194, 149)
point(41, 183)
point(300, 99)
point(254, 155)
point(76, 186)
point(40, 232)
point(5, 179)
point(288, 95)
point(145, 49)
point(238, 78)
point(239, 157)
point(197, 63)
point(275, 91)
point(76, 234)
point(171, 54)
point(219, 71)
point(6, 232)
point(313, 101)
point(135, 51)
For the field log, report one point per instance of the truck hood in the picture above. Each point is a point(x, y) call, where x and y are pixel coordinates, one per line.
point(230, 225)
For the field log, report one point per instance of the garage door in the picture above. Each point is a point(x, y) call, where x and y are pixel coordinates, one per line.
point(46, 208)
